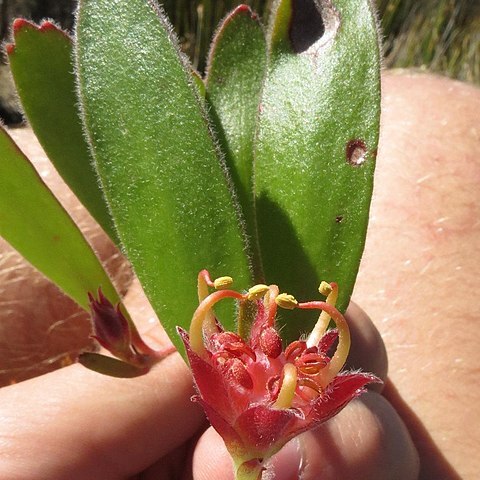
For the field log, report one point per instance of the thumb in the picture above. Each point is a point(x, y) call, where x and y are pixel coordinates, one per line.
point(366, 440)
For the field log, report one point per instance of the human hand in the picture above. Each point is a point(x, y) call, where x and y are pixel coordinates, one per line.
point(77, 424)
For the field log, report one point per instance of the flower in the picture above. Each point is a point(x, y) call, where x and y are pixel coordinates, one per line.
point(256, 394)
point(116, 332)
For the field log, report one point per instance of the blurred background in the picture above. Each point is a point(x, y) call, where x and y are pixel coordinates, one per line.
point(438, 35)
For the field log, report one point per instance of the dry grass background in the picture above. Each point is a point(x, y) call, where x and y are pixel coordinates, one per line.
point(442, 36)
point(438, 35)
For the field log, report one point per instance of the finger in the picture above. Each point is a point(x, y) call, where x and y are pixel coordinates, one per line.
point(172, 466)
point(211, 460)
point(368, 351)
point(84, 425)
point(366, 440)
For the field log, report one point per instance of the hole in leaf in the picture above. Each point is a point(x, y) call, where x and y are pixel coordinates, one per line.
point(312, 21)
point(356, 152)
point(339, 218)
point(306, 25)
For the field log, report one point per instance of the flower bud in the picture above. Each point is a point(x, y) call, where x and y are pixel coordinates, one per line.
point(270, 342)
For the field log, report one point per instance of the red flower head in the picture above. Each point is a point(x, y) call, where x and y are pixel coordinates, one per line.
point(257, 395)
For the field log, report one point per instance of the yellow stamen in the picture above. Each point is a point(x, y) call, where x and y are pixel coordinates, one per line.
point(325, 288)
point(257, 292)
point(222, 282)
point(202, 315)
point(331, 290)
point(203, 283)
point(284, 300)
point(289, 385)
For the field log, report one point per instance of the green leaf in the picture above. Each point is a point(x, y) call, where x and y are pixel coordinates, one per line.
point(199, 83)
point(316, 145)
point(235, 73)
point(110, 366)
point(34, 223)
point(167, 189)
point(42, 67)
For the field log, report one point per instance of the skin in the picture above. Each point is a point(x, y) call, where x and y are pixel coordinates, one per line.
point(425, 238)
point(95, 426)
point(76, 424)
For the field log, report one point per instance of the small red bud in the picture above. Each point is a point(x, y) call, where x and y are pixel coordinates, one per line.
point(223, 338)
point(110, 326)
point(270, 342)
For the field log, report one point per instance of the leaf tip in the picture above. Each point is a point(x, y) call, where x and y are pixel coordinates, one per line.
point(21, 23)
point(110, 366)
point(47, 25)
point(244, 9)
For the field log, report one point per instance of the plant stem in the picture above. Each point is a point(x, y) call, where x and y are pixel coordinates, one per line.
point(251, 470)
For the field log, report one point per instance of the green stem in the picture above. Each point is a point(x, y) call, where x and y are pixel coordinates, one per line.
point(250, 470)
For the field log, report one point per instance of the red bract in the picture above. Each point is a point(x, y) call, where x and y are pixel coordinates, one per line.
point(115, 332)
point(257, 395)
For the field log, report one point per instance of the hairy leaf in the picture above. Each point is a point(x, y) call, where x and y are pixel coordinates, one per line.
point(42, 67)
point(159, 165)
point(34, 223)
point(316, 145)
point(235, 73)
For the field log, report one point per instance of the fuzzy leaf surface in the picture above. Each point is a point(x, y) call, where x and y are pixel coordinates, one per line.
point(42, 67)
point(235, 73)
point(316, 145)
point(164, 181)
point(36, 225)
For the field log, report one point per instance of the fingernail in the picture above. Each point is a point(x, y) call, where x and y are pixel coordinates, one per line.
point(287, 464)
